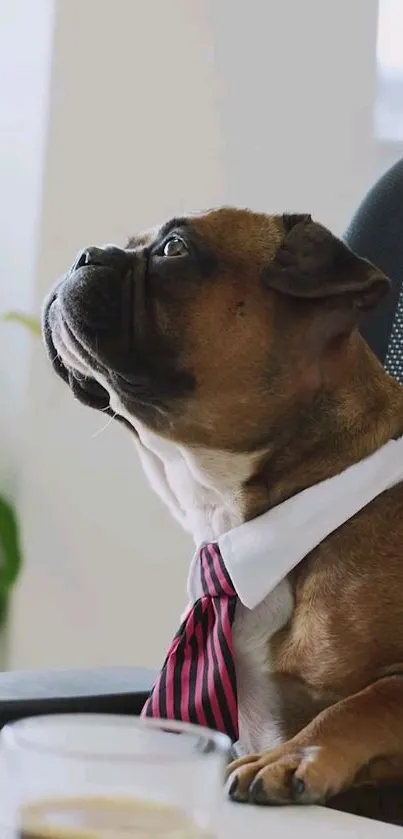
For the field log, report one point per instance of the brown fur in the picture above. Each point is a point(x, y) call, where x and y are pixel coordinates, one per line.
point(267, 334)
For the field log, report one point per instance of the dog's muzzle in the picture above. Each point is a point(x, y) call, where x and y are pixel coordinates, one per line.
point(88, 320)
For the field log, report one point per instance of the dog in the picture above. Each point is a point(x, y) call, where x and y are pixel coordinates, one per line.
point(228, 343)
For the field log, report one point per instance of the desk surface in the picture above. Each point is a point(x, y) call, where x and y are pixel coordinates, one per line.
point(240, 821)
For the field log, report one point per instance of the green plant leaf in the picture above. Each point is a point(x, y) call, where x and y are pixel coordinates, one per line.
point(10, 552)
point(31, 323)
point(4, 604)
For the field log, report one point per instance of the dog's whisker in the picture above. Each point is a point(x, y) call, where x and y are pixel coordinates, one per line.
point(104, 427)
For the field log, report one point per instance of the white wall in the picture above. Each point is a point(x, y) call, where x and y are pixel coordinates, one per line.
point(157, 107)
point(296, 107)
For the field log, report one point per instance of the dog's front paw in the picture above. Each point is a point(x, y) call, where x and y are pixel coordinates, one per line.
point(289, 774)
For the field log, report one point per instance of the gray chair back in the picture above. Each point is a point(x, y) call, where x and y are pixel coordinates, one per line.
point(376, 232)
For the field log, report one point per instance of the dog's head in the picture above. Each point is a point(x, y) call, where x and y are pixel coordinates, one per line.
point(210, 328)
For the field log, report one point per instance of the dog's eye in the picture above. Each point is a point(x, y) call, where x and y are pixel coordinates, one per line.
point(175, 246)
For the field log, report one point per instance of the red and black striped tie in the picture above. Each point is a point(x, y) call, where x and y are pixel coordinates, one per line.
point(197, 682)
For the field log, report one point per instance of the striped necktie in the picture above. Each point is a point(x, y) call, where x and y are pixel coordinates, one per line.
point(197, 682)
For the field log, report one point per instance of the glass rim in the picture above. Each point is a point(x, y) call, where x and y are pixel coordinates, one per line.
point(15, 736)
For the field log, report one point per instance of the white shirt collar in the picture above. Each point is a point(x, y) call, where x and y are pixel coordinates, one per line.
point(261, 552)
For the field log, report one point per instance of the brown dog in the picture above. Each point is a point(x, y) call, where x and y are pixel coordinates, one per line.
point(228, 341)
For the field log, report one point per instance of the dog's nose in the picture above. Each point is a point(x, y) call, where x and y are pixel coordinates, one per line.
point(108, 257)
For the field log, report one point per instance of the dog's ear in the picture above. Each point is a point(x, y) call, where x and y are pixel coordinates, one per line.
point(313, 264)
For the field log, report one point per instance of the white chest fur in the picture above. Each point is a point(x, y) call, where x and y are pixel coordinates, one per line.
point(201, 487)
point(258, 701)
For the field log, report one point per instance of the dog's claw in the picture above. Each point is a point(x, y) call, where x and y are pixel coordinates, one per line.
point(233, 788)
point(297, 787)
point(257, 794)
